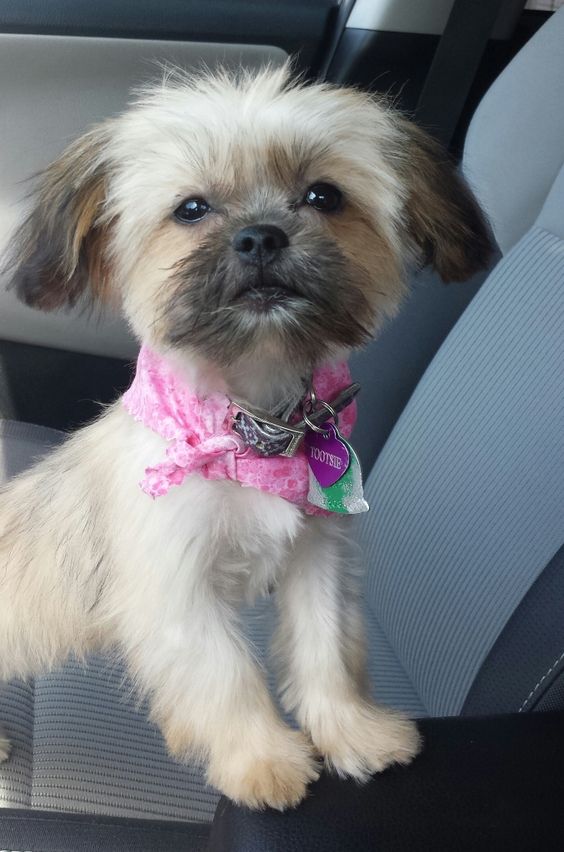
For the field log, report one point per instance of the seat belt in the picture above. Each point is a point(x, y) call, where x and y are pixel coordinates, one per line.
point(454, 66)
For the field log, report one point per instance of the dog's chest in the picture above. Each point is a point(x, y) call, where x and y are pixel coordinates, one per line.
point(234, 538)
point(218, 532)
point(252, 537)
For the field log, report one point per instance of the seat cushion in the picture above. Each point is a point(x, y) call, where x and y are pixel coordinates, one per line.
point(80, 741)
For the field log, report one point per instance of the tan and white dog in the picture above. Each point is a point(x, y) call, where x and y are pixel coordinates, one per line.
point(251, 228)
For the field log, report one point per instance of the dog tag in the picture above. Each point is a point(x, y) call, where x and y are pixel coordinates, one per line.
point(327, 454)
point(335, 477)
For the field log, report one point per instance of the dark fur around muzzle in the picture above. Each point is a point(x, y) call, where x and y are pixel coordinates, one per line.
point(324, 308)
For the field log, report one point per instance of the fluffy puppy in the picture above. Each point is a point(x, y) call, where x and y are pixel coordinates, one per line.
point(152, 211)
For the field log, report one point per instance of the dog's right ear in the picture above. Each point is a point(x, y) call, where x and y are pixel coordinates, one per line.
point(444, 219)
point(59, 253)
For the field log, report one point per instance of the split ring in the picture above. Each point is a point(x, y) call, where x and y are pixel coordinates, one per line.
point(313, 426)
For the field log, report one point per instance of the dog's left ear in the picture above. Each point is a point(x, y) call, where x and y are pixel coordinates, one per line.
point(443, 217)
point(59, 253)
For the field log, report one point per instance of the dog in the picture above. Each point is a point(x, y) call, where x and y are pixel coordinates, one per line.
point(253, 229)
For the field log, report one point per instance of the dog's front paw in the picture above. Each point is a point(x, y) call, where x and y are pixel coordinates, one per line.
point(277, 778)
point(361, 739)
point(5, 747)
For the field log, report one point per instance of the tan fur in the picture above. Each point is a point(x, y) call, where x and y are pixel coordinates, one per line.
point(443, 216)
point(361, 241)
point(149, 288)
point(89, 561)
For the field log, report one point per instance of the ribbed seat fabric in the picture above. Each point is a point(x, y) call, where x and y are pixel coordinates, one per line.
point(467, 495)
point(94, 751)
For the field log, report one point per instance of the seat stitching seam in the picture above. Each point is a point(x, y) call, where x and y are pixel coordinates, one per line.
point(541, 681)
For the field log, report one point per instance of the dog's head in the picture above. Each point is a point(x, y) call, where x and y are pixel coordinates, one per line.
point(248, 216)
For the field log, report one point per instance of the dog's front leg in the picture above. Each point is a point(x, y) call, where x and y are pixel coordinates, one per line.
point(211, 702)
point(320, 646)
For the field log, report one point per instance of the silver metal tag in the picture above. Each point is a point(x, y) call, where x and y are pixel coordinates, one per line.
point(269, 435)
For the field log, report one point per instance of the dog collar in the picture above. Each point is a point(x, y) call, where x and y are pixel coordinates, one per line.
point(272, 435)
point(221, 439)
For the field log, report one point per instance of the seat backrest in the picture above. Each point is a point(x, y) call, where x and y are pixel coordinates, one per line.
point(513, 148)
point(467, 494)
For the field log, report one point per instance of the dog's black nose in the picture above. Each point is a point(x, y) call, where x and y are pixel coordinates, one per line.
point(259, 244)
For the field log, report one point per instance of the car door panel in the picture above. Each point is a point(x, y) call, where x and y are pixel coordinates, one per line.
point(293, 25)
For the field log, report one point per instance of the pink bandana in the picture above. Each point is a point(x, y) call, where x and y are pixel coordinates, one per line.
point(202, 439)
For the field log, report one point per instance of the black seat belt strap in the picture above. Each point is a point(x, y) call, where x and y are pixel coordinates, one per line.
point(454, 65)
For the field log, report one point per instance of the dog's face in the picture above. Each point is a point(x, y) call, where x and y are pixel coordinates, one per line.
point(248, 217)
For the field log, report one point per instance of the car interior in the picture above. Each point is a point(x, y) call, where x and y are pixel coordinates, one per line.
point(460, 433)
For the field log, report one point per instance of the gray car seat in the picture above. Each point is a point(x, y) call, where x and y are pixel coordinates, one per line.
point(463, 545)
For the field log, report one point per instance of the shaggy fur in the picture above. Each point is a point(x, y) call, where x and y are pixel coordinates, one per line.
point(87, 560)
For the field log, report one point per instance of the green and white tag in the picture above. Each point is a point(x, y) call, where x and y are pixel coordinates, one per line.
point(335, 476)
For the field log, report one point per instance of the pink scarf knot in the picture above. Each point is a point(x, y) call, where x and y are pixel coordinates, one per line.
point(201, 437)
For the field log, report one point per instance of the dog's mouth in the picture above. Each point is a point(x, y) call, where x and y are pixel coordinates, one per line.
point(263, 297)
point(300, 308)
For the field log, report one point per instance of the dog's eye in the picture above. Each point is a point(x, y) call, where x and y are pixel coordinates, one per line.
point(192, 210)
point(324, 197)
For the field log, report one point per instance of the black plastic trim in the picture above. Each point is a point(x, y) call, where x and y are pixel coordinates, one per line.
point(523, 667)
point(340, 22)
point(397, 64)
point(296, 26)
point(55, 387)
point(480, 784)
point(390, 62)
point(41, 831)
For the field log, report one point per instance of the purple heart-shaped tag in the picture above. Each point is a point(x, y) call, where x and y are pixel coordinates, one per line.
point(327, 454)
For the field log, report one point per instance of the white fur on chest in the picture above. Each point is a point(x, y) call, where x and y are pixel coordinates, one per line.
point(216, 534)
